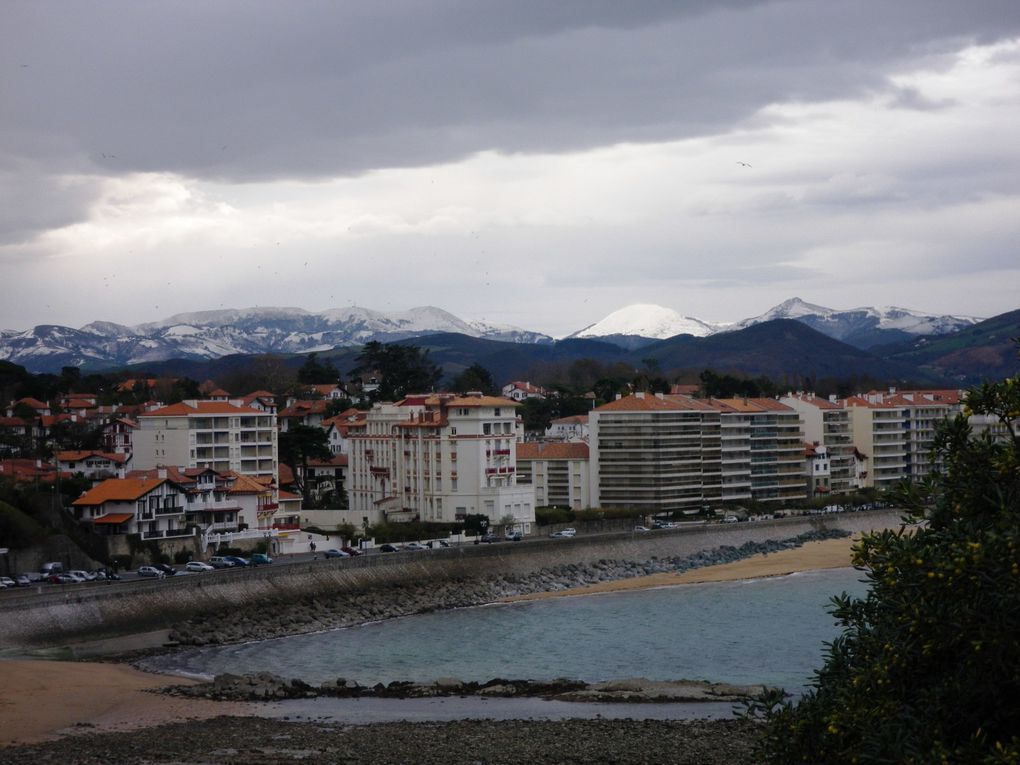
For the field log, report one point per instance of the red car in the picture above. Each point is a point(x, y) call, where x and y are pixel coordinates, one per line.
point(351, 551)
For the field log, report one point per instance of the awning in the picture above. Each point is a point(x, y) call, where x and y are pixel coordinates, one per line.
point(114, 518)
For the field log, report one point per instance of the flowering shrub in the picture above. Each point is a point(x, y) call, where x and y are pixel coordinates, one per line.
point(927, 669)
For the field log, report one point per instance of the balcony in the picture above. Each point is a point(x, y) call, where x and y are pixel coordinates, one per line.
point(170, 510)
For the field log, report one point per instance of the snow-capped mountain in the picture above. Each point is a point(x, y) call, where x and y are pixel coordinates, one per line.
point(863, 327)
point(212, 334)
point(647, 320)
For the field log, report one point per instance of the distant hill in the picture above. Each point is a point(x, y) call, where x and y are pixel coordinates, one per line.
point(782, 349)
point(985, 351)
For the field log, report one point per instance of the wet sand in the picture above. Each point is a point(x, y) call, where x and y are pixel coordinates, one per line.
point(832, 553)
point(42, 699)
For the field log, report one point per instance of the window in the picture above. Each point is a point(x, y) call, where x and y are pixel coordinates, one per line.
point(487, 428)
point(497, 412)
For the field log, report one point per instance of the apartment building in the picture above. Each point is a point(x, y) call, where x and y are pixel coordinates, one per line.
point(826, 424)
point(559, 473)
point(880, 437)
point(221, 435)
point(657, 453)
point(439, 458)
point(923, 412)
point(762, 450)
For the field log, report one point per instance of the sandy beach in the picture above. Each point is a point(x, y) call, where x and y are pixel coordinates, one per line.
point(44, 699)
point(832, 553)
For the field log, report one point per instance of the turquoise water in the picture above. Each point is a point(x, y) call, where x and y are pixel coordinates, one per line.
point(755, 631)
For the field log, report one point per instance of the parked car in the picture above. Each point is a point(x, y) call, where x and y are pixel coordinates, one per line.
point(85, 576)
point(353, 552)
point(563, 533)
point(23, 580)
point(730, 519)
point(67, 578)
point(515, 536)
point(52, 568)
point(260, 559)
point(389, 548)
point(198, 566)
point(150, 571)
point(166, 568)
point(415, 546)
point(220, 561)
point(437, 543)
point(6, 581)
point(334, 553)
point(238, 561)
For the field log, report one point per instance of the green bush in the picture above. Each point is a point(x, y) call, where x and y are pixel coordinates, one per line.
point(927, 669)
point(17, 529)
point(546, 516)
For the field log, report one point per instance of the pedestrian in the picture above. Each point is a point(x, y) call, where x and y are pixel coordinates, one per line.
point(315, 555)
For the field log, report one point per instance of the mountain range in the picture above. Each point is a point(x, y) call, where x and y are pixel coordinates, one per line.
point(210, 335)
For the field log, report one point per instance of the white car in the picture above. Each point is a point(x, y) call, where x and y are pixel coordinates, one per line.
point(641, 528)
point(6, 581)
point(150, 571)
point(85, 576)
point(198, 566)
point(415, 546)
point(563, 533)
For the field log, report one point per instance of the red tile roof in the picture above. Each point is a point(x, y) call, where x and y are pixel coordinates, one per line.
point(552, 451)
point(77, 456)
point(652, 403)
point(201, 407)
point(119, 490)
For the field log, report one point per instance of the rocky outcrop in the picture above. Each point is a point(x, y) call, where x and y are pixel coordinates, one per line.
point(264, 686)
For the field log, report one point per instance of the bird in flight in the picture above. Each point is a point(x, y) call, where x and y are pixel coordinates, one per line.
point(743, 164)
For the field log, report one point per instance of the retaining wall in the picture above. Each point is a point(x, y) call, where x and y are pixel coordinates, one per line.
point(78, 612)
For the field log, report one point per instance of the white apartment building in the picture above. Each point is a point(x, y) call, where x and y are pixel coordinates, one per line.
point(826, 423)
point(222, 435)
point(657, 453)
point(880, 437)
point(559, 472)
point(573, 428)
point(439, 458)
point(762, 450)
point(819, 464)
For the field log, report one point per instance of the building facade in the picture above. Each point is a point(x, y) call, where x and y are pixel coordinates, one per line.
point(439, 458)
point(221, 435)
point(559, 473)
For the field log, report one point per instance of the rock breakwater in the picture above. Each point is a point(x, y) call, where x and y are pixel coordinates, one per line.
point(387, 601)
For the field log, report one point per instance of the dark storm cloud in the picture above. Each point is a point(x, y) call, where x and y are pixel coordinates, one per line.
point(243, 91)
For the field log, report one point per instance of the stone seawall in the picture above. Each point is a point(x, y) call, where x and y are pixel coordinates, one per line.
point(58, 617)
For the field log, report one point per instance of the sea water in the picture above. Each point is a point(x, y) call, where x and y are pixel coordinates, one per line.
point(769, 631)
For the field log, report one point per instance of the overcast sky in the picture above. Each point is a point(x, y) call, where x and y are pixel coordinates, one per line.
point(531, 163)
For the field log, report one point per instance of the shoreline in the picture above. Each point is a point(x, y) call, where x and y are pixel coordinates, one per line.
point(46, 699)
point(812, 556)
